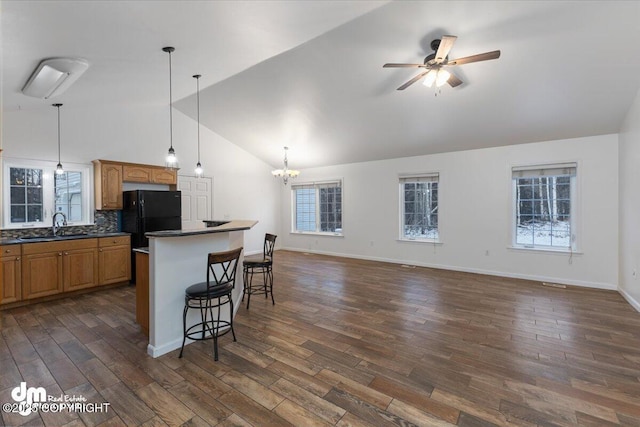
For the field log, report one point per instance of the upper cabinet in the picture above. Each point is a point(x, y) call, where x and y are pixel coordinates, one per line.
point(109, 176)
point(136, 173)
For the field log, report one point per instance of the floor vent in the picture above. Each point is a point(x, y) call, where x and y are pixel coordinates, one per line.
point(554, 285)
point(408, 266)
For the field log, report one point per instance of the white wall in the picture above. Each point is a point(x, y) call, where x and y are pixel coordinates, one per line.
point(475, 212)
point(630, 206)
point(242, 184)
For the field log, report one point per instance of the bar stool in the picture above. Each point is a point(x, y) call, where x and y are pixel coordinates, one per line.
point(262, 266)
point(214, 293)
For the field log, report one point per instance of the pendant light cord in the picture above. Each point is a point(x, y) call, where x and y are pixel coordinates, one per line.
point(58, 106)
point(198, 109)
point(170, 108)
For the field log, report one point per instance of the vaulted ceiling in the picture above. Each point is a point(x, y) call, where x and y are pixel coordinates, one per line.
point(308, 74)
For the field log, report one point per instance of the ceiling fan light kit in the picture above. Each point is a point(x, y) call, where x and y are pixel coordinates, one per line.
point(433, 71)
point(439, 77)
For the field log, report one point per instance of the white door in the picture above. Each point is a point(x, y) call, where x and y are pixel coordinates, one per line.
point(197, 201)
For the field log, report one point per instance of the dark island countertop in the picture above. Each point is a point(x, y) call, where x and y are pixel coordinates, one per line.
point(234, 225)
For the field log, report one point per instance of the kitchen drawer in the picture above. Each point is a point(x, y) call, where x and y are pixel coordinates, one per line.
point(105, 242)
point(11, 250)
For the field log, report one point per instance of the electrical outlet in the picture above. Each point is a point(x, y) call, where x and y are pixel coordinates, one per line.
point(486, 253)
point(634, 274)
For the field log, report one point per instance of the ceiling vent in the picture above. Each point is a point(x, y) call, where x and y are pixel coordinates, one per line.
point(53, 76)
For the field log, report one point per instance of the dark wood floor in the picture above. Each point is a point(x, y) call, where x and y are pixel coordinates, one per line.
point(348, 343)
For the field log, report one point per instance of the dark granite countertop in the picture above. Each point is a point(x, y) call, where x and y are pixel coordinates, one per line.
point(38, 239)
point(234, 225)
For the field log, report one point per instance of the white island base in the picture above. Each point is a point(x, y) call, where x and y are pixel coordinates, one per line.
point(178, 259)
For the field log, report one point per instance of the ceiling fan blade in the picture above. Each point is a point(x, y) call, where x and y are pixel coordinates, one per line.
point(475, 58)
point(454, 80)
point(446, 43)
point(394, 65)
point(413, 80)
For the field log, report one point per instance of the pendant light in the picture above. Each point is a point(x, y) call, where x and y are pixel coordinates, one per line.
point(199, 172)
point(285, 173)
point(171, 161)
point(59, 169)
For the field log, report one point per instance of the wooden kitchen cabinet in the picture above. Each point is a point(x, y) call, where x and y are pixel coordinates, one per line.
point(136, 173)
point(11, 274)
point(41, 270)
point(80, 264)
point(148, 174)
point(142, 291)
point(164, 176)
point(114, 255)
point(49, 268)
point(108, 178)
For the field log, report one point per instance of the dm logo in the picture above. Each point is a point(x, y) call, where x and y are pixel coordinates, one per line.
point(28, 396)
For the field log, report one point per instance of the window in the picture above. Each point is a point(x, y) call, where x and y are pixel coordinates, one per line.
point(544, 213)
point(26, 195)
point(317, 207)
point(36, 192)
point(419, 207)
point(69, 195)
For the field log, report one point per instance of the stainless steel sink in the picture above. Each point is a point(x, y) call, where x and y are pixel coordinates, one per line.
point(36, 238)
point(73, 235)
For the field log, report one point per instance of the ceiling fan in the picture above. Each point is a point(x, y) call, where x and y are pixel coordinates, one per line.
point(434, 64)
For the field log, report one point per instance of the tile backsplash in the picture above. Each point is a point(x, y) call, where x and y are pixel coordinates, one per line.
point(104, 222)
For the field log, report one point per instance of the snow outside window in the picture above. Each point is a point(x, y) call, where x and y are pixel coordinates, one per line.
point(317, 207)
point(419, 207)
point(544, 213)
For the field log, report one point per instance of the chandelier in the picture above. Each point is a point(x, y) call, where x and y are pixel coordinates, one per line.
point(285, 173)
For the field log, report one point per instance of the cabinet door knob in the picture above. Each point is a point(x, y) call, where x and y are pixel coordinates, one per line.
point(59, 253)
point(101, 250)
point(66, 253)
point(18, 259)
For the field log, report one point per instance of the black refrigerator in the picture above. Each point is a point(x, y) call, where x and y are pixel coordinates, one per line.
point(149, 210)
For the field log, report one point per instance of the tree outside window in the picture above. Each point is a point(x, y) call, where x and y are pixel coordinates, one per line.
point(419, 207)
point(543, 206)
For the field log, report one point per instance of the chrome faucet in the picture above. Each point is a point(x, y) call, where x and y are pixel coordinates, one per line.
point(55, 226)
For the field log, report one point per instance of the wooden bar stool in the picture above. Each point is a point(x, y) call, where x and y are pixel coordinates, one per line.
point(262, 266)
point(214, 293)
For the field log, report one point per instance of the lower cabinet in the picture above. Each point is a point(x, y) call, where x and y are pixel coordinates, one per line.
point(80, 265)
point(11, 274)
point(42, 269)
point(49, 268)
point(114, 259)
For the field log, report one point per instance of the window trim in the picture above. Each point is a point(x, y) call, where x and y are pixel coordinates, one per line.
point(403, 177)
point(48, 196)
point(316, 184)
point(574, 247)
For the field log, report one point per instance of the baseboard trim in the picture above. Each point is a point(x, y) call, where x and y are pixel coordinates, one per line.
point(580, 283)
point(631, 300)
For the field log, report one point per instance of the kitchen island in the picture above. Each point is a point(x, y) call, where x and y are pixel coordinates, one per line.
point(178, 259)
